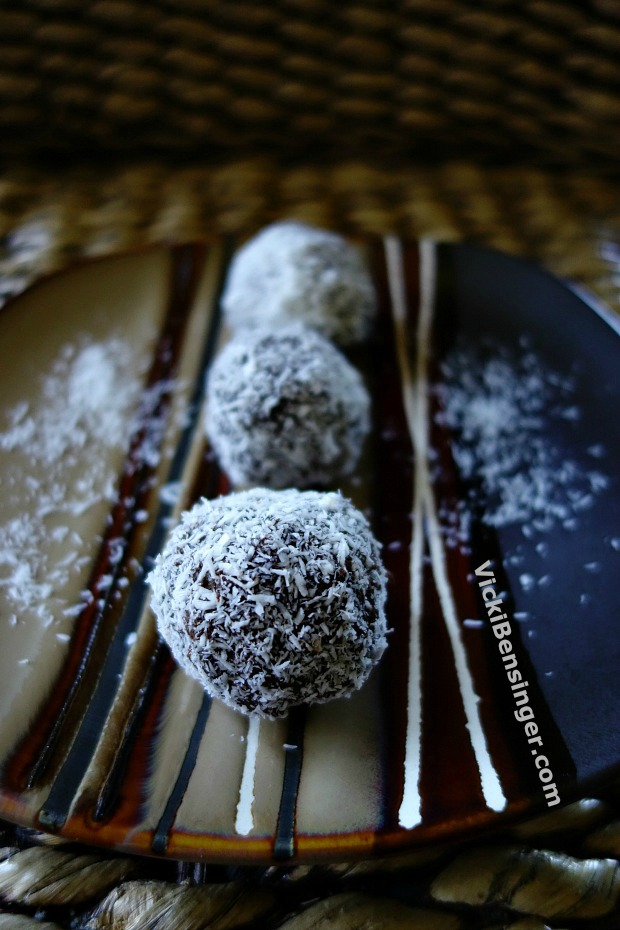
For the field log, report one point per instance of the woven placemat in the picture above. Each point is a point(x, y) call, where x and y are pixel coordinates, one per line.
point(413, 78)
point(561, 870)
point(568, 220)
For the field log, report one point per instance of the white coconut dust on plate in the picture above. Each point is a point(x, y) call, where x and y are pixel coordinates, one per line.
point(75, 414)
point(500, 405)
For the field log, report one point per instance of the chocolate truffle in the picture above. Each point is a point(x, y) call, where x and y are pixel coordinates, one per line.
point(291, 271)
point(286, 409)
point(271, 599)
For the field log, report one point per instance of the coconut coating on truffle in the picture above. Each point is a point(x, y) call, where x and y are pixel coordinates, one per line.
point(286, 409)
point(291, 271)
point(272, 599)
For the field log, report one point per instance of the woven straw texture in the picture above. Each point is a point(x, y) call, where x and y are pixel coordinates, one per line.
point(568, 220)
point(559, 871)
point(409, 78)
point(124, 123)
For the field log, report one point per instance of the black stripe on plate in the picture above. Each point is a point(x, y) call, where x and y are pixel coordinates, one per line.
point(55, 811)
point(284, 844)
point(139, 594)
point(109, 791)
point(159, 843)
point(187, 263)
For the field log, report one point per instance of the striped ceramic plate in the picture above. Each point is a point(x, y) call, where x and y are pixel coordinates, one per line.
point(491, 479)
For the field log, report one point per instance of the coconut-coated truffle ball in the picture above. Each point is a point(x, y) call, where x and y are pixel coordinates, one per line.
point(286, 409)
point(271, 599)
point(291, 271)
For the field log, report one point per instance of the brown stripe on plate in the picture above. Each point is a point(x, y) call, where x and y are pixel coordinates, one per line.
point(392, 508)
point(136, 723)
point(460, 568)
point(443, 726)
point(135, 495)
point(117, 776)
point(455, 722)
point(153, 665)
point(92, 638)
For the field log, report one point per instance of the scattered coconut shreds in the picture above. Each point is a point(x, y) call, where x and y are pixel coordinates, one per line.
point(77, 406)
point(90, 400)
point(290, 272)
point(286, 409)
point(498, 404)
point(272, 598)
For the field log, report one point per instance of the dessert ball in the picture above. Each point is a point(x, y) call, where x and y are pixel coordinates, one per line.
point(272, 599)
point(286, 409)
point(291, 271)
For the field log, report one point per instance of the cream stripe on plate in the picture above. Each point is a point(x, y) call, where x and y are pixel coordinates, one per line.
point(415, 395)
